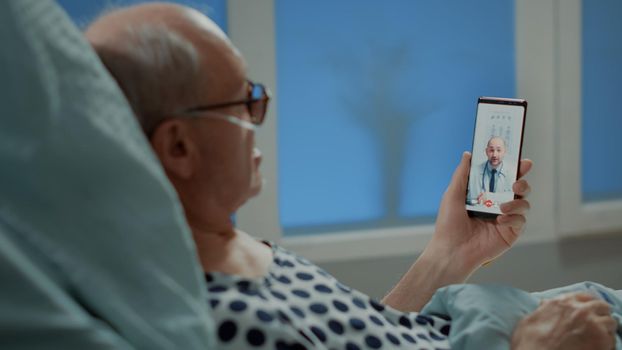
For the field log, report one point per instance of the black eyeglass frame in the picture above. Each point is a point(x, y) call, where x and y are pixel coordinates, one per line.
point(257, 118)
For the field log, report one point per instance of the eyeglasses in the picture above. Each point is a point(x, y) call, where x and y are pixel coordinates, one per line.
point(256, 103)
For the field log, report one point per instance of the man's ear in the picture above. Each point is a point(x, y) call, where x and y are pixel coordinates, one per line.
point(173, 144)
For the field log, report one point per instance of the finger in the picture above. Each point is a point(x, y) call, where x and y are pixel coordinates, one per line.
point(521, 188)
point(599, 307)
point(516, 206)
point(609, 327)
point(525, 167)
point(516, 222)
point(459, 180)
point(581, 296)
point(608, 322)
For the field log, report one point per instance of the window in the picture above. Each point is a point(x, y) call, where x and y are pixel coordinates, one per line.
point(542, 40)
point(377, 103)
point(83, 12)
point(601, 113)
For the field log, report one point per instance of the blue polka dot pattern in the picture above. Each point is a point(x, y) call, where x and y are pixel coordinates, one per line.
point(424, 320)
point(336, 327)
point(217, 289)
point(393, 339)
point(249, 292)
point(214, 302)
point(340, 306)
point(323, 289)
point(255, 337)
point(352, 346)
point(436, 336)
point(301, 293)
point(264, 316)
point(287, 263)
point(408, 338)
point(319, 333)
point(298, 312)
point(278, 295)
point(282, 345)
point(376, 320)
point(422, 336)
point(238, 306)
point(376, 305)
point(243, 285)
point(373, 342)
point(357, 323)
point(360, 303)
point(283, 317)
point(318, 308)
point(284, 279)
point(227, 331)
point(404, 321)
point(304, 276)
point(304, 335)
point(298, 305)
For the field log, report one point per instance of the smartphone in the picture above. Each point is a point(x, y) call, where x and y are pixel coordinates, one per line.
point(497, 145)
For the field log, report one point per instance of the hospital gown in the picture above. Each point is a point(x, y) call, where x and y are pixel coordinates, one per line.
point(298, 305)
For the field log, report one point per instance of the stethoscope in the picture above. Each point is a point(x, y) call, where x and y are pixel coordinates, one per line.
point(484, 174)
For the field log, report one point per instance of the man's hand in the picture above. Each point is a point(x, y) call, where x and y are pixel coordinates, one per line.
point(470, 242)
point(460, 243)
point(569, 322)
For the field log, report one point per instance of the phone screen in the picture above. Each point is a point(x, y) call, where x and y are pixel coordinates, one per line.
point(497, 143)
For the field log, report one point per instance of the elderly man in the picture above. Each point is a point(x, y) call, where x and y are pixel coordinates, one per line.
point(188, 87)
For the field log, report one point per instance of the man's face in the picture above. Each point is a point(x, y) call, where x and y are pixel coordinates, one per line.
point(495, 151)
point(229, 162)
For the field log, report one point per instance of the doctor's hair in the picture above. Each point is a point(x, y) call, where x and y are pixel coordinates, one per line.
point(505, 144)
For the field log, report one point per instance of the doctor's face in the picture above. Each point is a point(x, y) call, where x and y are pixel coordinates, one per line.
point(495, 151)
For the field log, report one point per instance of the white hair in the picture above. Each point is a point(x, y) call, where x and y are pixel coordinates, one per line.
point(157, 70)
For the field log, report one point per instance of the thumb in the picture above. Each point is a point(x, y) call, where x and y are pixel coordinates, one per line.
point(459, 181)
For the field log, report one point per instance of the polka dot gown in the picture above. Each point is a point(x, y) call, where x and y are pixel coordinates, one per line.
point(300, 306)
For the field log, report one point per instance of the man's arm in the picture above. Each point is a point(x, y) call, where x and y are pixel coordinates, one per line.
point(460, 244)
point(432, 270)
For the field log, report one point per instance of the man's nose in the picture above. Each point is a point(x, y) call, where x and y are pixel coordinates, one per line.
point(256, 153)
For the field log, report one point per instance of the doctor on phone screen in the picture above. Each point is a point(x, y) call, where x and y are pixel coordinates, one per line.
point(492, 176)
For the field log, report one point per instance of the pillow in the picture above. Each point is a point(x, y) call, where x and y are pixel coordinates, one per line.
point(81, 190)
point(484, 317)
point(37, 311)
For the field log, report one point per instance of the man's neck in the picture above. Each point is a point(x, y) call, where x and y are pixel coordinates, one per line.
point(232, 252)
point(495, 167)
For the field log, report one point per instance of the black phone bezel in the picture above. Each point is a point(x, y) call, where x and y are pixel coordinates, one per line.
point(500, 101)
